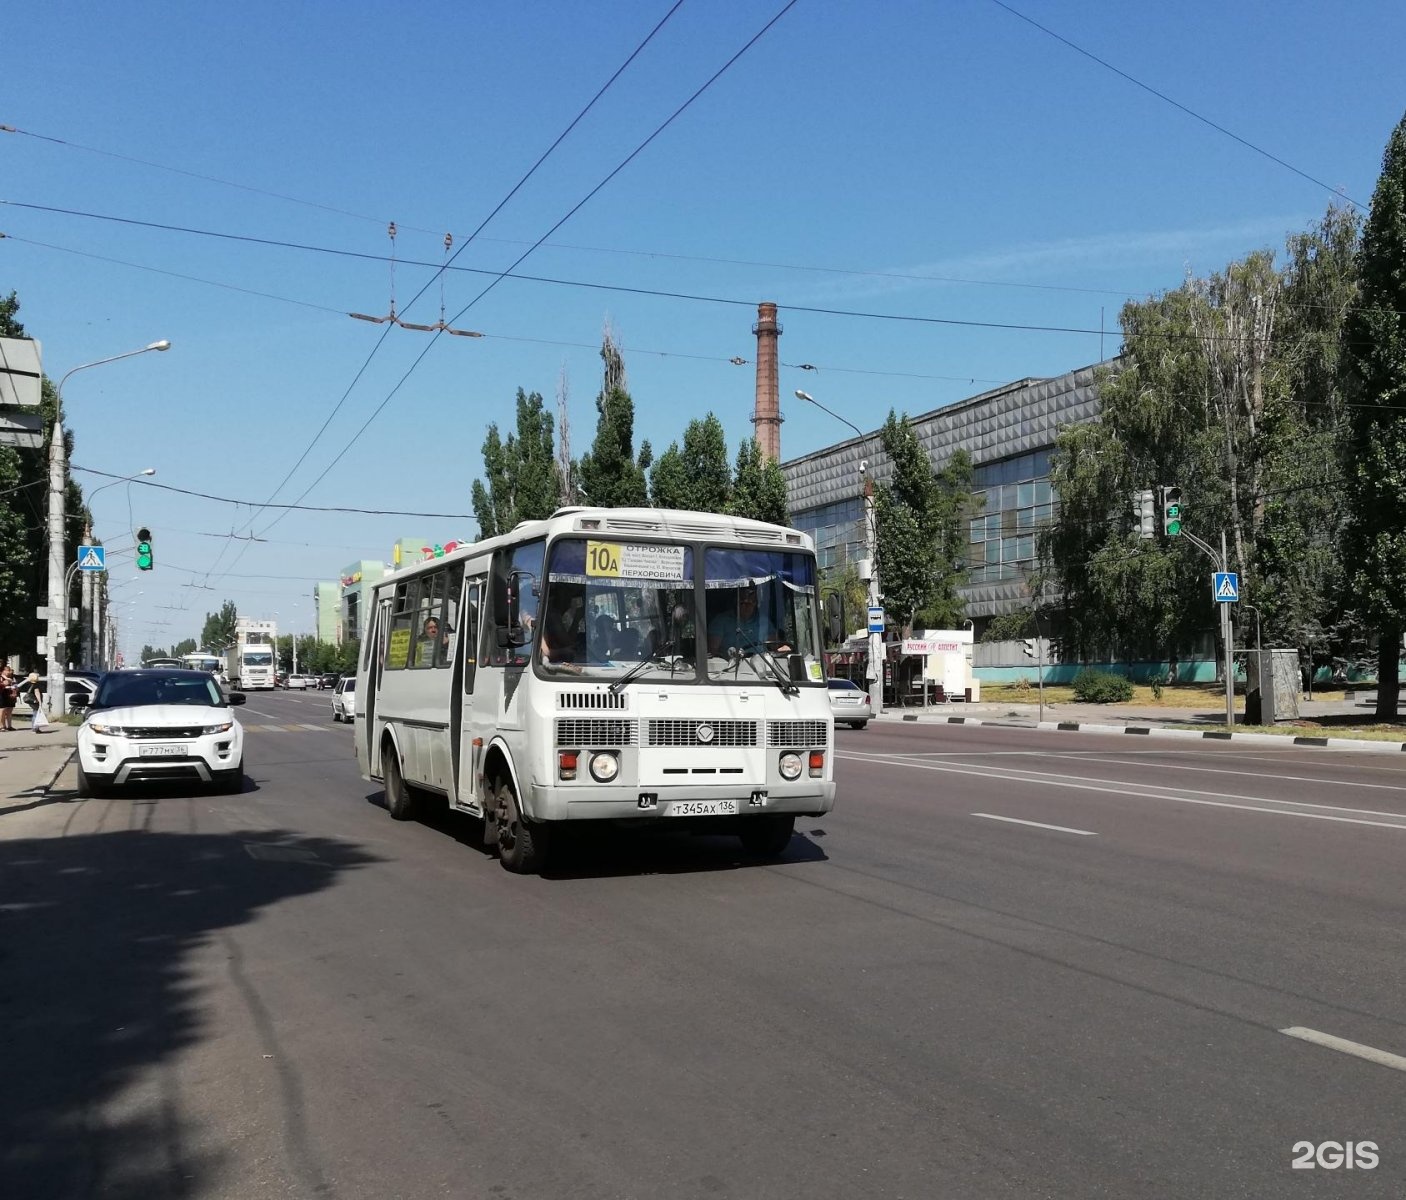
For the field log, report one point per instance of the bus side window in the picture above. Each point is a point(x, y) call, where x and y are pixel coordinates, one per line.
point(402, 629)
point(449, 621)
point(471, 633)
point(528, 560)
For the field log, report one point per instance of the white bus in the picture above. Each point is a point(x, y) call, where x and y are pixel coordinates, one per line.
point(625, 665)
point(213, 664)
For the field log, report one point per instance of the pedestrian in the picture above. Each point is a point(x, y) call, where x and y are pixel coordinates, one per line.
point(9, 693)
point(33, 693)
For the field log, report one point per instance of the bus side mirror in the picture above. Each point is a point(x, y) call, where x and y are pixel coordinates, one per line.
point(796, 667)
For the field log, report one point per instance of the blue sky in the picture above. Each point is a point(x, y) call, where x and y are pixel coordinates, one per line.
point(853, 148)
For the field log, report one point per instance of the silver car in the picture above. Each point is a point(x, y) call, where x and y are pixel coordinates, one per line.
point(850, 703)
point(344, 699)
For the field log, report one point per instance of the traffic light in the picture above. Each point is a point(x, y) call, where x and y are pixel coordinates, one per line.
point(1169, 501)
point(1032, 647)
point(144, 549)
point(1145, 510)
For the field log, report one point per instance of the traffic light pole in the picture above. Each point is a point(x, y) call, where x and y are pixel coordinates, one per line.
point(1221, 562)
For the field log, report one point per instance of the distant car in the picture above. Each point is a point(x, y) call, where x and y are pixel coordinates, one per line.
point(160, 724)
point(344, 699)
point(850, 703)
point(301, 682)
point(81, 686)
point(328, 679)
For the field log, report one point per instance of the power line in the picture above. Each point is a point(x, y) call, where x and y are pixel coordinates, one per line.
point(570, 213)
point(1190, 112)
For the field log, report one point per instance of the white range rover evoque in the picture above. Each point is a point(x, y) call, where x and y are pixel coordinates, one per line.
point(145, 726)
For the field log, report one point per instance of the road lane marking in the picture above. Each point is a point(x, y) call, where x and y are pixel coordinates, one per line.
point(1381, 1057)
point(1388, 787)
point(1143, 792)
point(1038, 824)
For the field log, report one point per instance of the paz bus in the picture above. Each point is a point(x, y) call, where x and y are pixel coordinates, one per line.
point(624, 665)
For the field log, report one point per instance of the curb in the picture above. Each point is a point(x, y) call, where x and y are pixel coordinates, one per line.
point(63, 766)
point(1212, 735)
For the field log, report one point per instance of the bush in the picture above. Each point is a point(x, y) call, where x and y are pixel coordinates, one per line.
point(1099, 687)
point(1158, 682)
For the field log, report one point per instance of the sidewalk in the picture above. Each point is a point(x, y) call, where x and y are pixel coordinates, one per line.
point(30, 762)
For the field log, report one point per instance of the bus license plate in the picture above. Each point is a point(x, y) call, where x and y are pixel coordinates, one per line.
point(702, 808)
point(160, 751)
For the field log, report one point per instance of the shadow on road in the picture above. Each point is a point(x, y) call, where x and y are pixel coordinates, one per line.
point(597, 849)
point(96, 994)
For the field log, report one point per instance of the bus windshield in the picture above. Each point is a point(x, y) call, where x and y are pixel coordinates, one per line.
point(611, 606)
point(760, 607)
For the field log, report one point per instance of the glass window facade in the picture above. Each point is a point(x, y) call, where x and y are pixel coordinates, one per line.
point(838, 530)
point(1002, 541)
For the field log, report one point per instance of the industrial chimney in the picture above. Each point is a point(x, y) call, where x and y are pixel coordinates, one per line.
point(766, 416)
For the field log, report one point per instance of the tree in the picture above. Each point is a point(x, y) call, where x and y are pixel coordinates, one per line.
point(524, 479)
point(758, 486)
point(695, 477)
point(150, 652)
point(921, 520)
point(610, 475)
point(219, 630)
point(184, 647)
point(1374, 379)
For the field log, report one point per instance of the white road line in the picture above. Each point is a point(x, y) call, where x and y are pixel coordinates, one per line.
point(1038, 824)
point(1388, 787)
point(1357, 1049)
point(1143, 792)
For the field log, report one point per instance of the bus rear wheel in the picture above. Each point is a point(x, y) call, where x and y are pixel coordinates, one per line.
point(766, 837)
point(522, 844)
point(400, 800)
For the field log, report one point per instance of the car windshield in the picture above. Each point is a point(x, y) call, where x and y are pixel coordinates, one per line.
point(612, 606)
point(123, 691)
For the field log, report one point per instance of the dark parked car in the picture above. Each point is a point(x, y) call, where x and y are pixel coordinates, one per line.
point(328, 679)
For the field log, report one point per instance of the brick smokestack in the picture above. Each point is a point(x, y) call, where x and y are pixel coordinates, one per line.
point(766, 416)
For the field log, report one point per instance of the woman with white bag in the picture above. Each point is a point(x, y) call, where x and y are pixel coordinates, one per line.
point(33, 694)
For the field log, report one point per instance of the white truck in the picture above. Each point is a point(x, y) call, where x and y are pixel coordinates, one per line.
point(253, 656)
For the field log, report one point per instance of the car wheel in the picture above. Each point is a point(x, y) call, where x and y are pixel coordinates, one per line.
point(522, 844)
point(86, 788)
point(400, 800)
point(766, 837)
point(858, 724)
point(336, 716)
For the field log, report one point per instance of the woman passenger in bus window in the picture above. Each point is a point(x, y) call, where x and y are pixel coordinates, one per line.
point(564, 631)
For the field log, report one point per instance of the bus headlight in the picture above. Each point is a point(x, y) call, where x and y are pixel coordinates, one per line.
point(604, 767)
point(790, 765)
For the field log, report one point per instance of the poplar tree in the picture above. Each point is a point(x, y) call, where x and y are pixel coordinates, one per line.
point(1374, 380)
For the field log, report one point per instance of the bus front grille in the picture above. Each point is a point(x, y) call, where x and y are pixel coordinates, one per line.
point(795, 734)
point(723, 733)
point(597, 731)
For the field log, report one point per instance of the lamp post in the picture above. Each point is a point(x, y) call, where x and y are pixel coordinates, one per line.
point(56, 630)
point(871, 552)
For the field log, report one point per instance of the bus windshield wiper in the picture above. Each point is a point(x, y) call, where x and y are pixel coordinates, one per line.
point(783, 681)
point(657, 659)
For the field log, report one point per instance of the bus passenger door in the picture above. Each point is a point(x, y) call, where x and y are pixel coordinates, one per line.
point(368, 688)
point(470, 718)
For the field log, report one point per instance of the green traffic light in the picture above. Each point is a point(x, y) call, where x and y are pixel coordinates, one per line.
point(144, 556)
point(1173, 527)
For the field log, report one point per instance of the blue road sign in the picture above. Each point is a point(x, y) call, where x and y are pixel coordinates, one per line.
point(92, 558)
point(1226, 585)
point(876, 620)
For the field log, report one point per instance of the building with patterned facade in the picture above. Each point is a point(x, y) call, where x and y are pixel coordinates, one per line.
point(1009, 433)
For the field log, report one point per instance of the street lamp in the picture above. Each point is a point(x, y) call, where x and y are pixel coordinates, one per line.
point(56, 628)
point(871, 551)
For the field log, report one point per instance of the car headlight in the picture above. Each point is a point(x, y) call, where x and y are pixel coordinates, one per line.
point(107, 730)
point(604, 767)
point(790, 765)
point(225, 728)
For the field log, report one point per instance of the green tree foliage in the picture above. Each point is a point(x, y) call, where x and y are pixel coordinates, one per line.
point(524, 478)
point(150, 652)
point(695, 477)
point(1225, 388)
point(758, 486)
point(1374, 378)
point(1011, 626)
point(609, 475)
point(184, 647)
point(347, 655)
point(219, 629)
point(922, 520)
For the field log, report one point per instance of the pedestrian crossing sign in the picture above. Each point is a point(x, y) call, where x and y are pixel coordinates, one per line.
point(92, 558)
point(1226, 585)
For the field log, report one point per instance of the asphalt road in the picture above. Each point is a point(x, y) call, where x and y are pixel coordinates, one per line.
point(1010, 964)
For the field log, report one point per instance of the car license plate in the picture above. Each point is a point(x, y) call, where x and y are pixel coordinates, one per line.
point(701, 808)
point(161, 751)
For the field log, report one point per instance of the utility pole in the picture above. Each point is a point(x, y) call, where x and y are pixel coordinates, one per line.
point(57, 626)
point(86, 613)
point(871, 550)
point(1226, 636)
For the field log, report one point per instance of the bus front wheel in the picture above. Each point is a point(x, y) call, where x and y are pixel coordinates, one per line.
point(766, 837)
point(522, 844)
point(400, 800)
